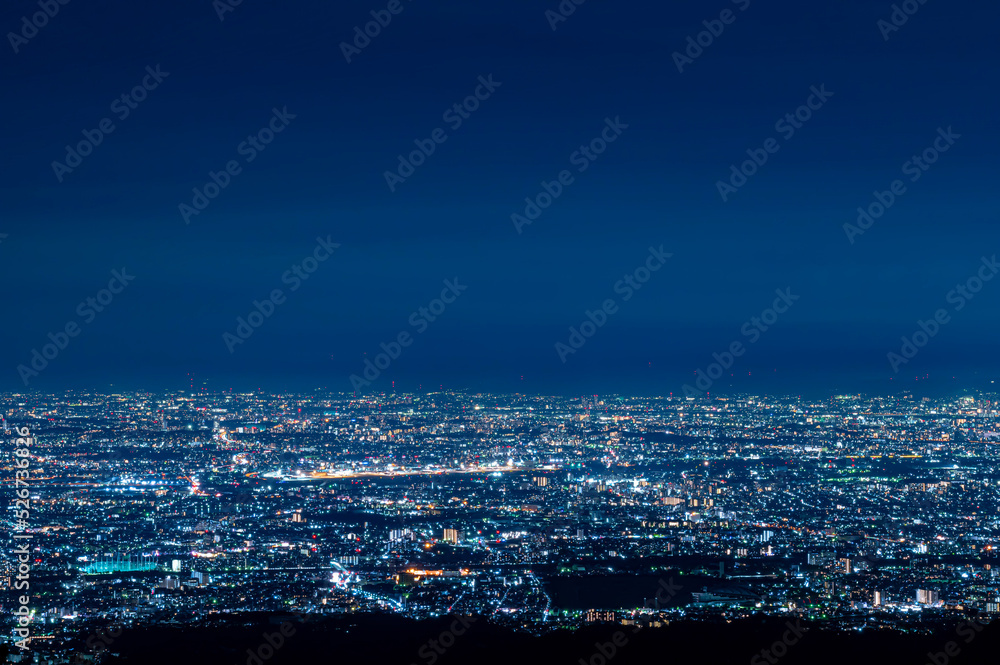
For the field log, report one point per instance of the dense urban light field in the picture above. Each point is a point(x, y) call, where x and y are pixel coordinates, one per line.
point(537, 512)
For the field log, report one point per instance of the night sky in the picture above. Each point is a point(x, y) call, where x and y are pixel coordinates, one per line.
point(212, 84)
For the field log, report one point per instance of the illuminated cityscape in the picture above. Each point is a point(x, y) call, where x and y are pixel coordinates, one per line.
point(539, 513)
point(559, 332)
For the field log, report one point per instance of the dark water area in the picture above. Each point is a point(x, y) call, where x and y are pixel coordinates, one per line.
point(609, 592)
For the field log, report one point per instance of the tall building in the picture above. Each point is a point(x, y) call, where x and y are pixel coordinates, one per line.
point(452, 536)
point(926, 596)
point(170, 583)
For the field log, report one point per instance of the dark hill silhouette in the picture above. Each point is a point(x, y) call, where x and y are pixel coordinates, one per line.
point(391, 640)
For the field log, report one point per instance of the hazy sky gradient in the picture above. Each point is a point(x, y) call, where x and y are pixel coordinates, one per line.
point(655, 185)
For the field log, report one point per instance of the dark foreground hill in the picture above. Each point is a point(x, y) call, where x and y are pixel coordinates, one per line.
point(391, 640)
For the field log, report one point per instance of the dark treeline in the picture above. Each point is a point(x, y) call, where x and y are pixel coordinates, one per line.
point(390, 640)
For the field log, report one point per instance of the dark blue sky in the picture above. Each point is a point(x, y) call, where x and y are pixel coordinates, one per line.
point(656, 184)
